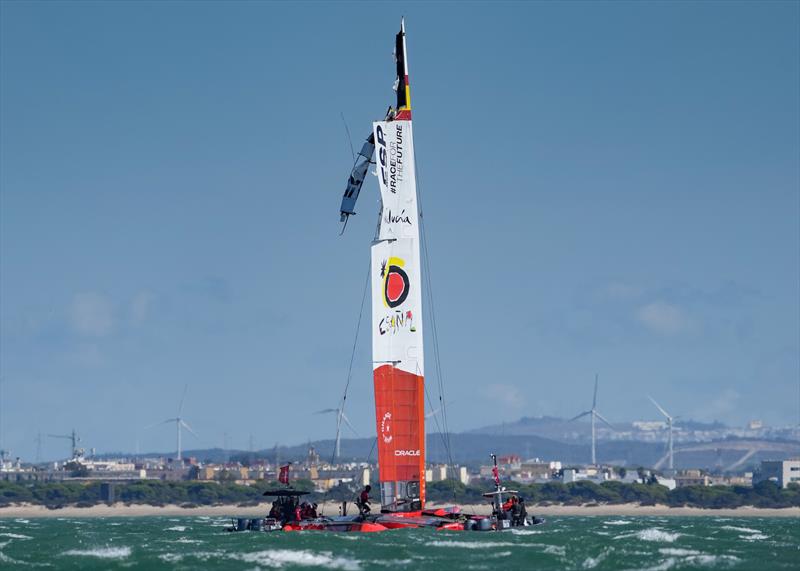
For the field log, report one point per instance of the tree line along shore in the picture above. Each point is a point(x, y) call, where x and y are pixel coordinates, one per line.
point(188, 494)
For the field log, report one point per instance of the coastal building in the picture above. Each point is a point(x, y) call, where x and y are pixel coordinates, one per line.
point(691, 478)
point(782, 472)
point(441, 472)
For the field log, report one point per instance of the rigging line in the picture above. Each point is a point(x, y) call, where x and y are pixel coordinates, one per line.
point(371, 450)
point(436, 420)
point(349, 371)
point(349, 140)
point(445, 436)
point(434, 329)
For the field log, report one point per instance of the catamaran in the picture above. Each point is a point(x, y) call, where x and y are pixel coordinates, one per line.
point(397, 333)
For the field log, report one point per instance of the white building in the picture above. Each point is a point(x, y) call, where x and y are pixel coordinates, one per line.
point(782, 472)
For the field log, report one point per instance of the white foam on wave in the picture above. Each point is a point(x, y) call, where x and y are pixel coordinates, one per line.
point(6, 559)
point(171, 557)
point(185, 540)
point(652, 534)
point(278, 558)
point(102, 552)
point(15, 535)
point(392, 563)
point(526, 532)
point(592, 562)
point(693, 558)
point(470, 544)
point(754, 537)
point(206, 555)
point(559, 550)
point(678, 552)
point(742, 529)
point(617, 522)
point(177, 528)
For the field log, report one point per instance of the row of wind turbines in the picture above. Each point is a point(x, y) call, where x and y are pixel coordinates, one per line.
point(341, 418)
point(595, 416)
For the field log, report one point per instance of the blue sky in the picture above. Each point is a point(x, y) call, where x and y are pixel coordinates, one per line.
point(608, 188)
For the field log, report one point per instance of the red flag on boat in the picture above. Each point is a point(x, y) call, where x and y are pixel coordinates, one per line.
point(496, 475)
point(283, 477)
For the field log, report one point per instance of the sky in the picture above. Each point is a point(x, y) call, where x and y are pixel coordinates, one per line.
point(608, 188)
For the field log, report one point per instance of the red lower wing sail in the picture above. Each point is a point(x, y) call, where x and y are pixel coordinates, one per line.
point(399, 408)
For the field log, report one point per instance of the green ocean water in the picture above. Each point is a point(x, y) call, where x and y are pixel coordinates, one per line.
point(656, 543)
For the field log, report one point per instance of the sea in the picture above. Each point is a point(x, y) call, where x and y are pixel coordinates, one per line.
point(655, 543)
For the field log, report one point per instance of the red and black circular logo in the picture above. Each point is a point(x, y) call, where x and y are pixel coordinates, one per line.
point(395, 284)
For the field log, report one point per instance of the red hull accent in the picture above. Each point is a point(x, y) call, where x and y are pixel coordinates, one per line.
point(363, 527)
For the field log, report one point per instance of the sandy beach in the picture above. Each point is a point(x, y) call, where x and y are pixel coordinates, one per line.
point(331, 508)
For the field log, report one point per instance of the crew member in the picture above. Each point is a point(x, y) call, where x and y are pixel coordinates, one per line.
point(275, 512)
point(509, 505)
point(363, 500)
point(518, 512)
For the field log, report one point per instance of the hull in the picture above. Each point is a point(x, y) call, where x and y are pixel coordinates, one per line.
point(336, 525)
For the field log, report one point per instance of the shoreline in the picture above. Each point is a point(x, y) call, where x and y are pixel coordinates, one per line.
point(332, 508)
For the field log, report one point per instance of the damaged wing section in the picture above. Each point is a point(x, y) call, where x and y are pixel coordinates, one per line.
point(356, 179)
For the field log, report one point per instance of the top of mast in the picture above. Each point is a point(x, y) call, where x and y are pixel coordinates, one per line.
point(403, 111)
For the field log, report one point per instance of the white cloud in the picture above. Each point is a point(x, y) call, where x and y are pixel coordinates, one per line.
point(664, 318)
point(507, 395)
point(91, 314)
point(140, 306)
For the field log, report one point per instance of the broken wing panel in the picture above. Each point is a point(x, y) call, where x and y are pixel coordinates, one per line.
point(356, 179)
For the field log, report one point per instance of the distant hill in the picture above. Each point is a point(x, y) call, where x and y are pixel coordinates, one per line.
point(563, 429)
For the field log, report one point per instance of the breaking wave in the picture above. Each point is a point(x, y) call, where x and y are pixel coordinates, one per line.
point(278, 558)
point(102, 552)
point(15, 535)
point(652, 534)
point(471, 544)
point(742, 529)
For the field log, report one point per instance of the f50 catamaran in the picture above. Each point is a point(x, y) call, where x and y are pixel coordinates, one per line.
point(397, 347)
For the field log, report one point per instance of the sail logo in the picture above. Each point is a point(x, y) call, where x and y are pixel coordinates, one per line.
point(391, 218)
point(406, 453)
point(386, 428)
point(394, 322)
point(379, 137)
point(390, 157)
point(396, 284)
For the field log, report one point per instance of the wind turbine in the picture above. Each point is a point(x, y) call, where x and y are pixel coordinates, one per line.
point(595, 415)
point(670, 419)
point(179, 423)
point(340, 416)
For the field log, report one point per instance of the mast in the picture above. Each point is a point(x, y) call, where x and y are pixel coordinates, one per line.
point(397, 348)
